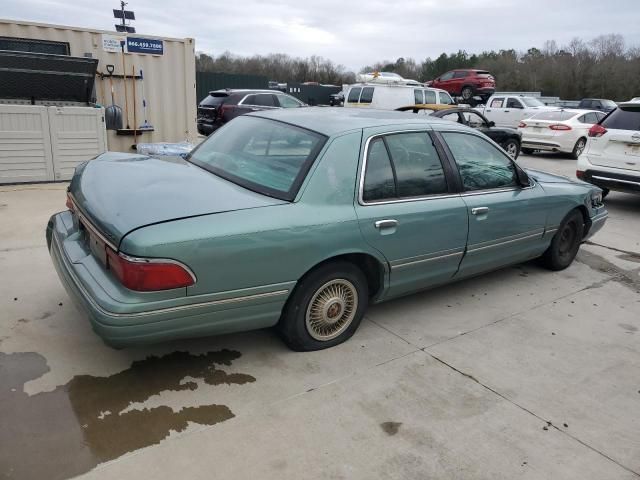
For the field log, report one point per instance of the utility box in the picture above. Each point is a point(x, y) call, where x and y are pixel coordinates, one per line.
point(40, 143)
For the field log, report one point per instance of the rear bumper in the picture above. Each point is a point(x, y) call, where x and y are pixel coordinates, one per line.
point(609, 178)
point(543, 145)
point(124, 320)
point(206, 128)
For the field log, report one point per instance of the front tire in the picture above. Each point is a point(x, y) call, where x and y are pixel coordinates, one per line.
point(578, 148)
point(325, 308)
point(566, 242)
point(466, 93)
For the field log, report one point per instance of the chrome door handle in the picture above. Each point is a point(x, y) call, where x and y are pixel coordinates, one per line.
point(479, 210)
point(386, 223)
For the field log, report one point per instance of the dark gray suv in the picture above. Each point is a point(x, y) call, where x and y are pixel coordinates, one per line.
point(220, 106)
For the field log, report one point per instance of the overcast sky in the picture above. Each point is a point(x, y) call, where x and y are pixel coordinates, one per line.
point(351, 33)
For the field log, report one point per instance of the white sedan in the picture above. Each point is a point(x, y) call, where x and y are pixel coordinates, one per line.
point(558, 131)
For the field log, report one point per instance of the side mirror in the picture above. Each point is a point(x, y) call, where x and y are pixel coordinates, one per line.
point(522, 177)
point(492, 123)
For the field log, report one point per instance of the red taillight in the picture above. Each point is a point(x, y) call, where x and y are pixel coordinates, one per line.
point(597, 131)
point(69, 203)
point(222, 109)
point(148, 274)
point(559, 126)
point(522, 125)
point(580, 174)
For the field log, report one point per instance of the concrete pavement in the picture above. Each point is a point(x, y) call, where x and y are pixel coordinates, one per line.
point(521, 373)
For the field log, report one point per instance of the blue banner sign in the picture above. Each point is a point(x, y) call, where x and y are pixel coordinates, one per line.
point(144, 45)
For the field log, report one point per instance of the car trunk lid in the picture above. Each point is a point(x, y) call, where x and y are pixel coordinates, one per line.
point(118, 193)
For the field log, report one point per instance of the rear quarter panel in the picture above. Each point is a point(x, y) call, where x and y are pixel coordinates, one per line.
point(270, 245)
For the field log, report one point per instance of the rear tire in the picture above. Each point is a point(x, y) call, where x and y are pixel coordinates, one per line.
point(578, 148)
point(512, 147)
point(527, 151)
point(325, 308)
point(565, 243)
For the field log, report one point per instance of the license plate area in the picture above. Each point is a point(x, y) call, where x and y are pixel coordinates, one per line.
point(633, 150)
point(96, 245)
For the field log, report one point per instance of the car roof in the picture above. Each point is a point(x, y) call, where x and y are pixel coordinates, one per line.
point(333, 120)
point(386, 85)
point(245, 90)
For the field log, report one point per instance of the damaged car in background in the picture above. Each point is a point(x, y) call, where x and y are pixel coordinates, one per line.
point(300, 219)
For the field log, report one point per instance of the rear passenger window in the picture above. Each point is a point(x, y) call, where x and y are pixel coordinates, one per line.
point(430, 97)
point(417, 165)
point(379, 183)
point(354, 94)
point(266, 100)
point(418, 96)
point(482, 166)
point(367, 95)
point(250, 100)
point(413, 170)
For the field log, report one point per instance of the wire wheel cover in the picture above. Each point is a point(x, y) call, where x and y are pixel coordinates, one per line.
point(332, 309)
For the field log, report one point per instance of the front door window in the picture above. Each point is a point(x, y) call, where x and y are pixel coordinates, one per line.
point(482, 166)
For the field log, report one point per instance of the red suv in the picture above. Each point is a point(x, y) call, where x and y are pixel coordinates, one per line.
point(466, 83)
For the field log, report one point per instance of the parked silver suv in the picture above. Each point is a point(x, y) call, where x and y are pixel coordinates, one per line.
point(611, 159)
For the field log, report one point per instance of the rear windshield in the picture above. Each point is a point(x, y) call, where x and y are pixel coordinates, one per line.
point(608, 103)
point(482, 73)
point(555, 116)
point(264, 156)
point(532, 102)
point(623, 118)
point(212, 100)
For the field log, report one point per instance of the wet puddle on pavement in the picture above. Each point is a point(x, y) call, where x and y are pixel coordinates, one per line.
point(68, 431)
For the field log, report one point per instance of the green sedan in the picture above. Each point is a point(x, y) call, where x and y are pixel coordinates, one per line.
point(301, 218)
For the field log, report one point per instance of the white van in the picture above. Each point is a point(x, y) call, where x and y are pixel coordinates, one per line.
point(391, 97)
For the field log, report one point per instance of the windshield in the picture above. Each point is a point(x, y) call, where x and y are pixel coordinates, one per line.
point(532, 102)
point(608, 103)
point(264, 156)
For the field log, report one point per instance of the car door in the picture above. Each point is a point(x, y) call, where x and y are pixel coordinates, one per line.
point(445, 81)
point(506, 220)
point(409, 210)
point(456, 82)
point(514, 112)
point(495, 110)
point(477, 121)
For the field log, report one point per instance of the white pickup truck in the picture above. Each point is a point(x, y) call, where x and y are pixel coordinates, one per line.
point(509, 110)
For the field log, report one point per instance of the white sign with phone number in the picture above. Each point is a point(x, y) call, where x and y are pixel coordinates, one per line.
point(111, 43)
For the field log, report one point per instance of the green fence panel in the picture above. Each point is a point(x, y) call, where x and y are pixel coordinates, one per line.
point(208, 81)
